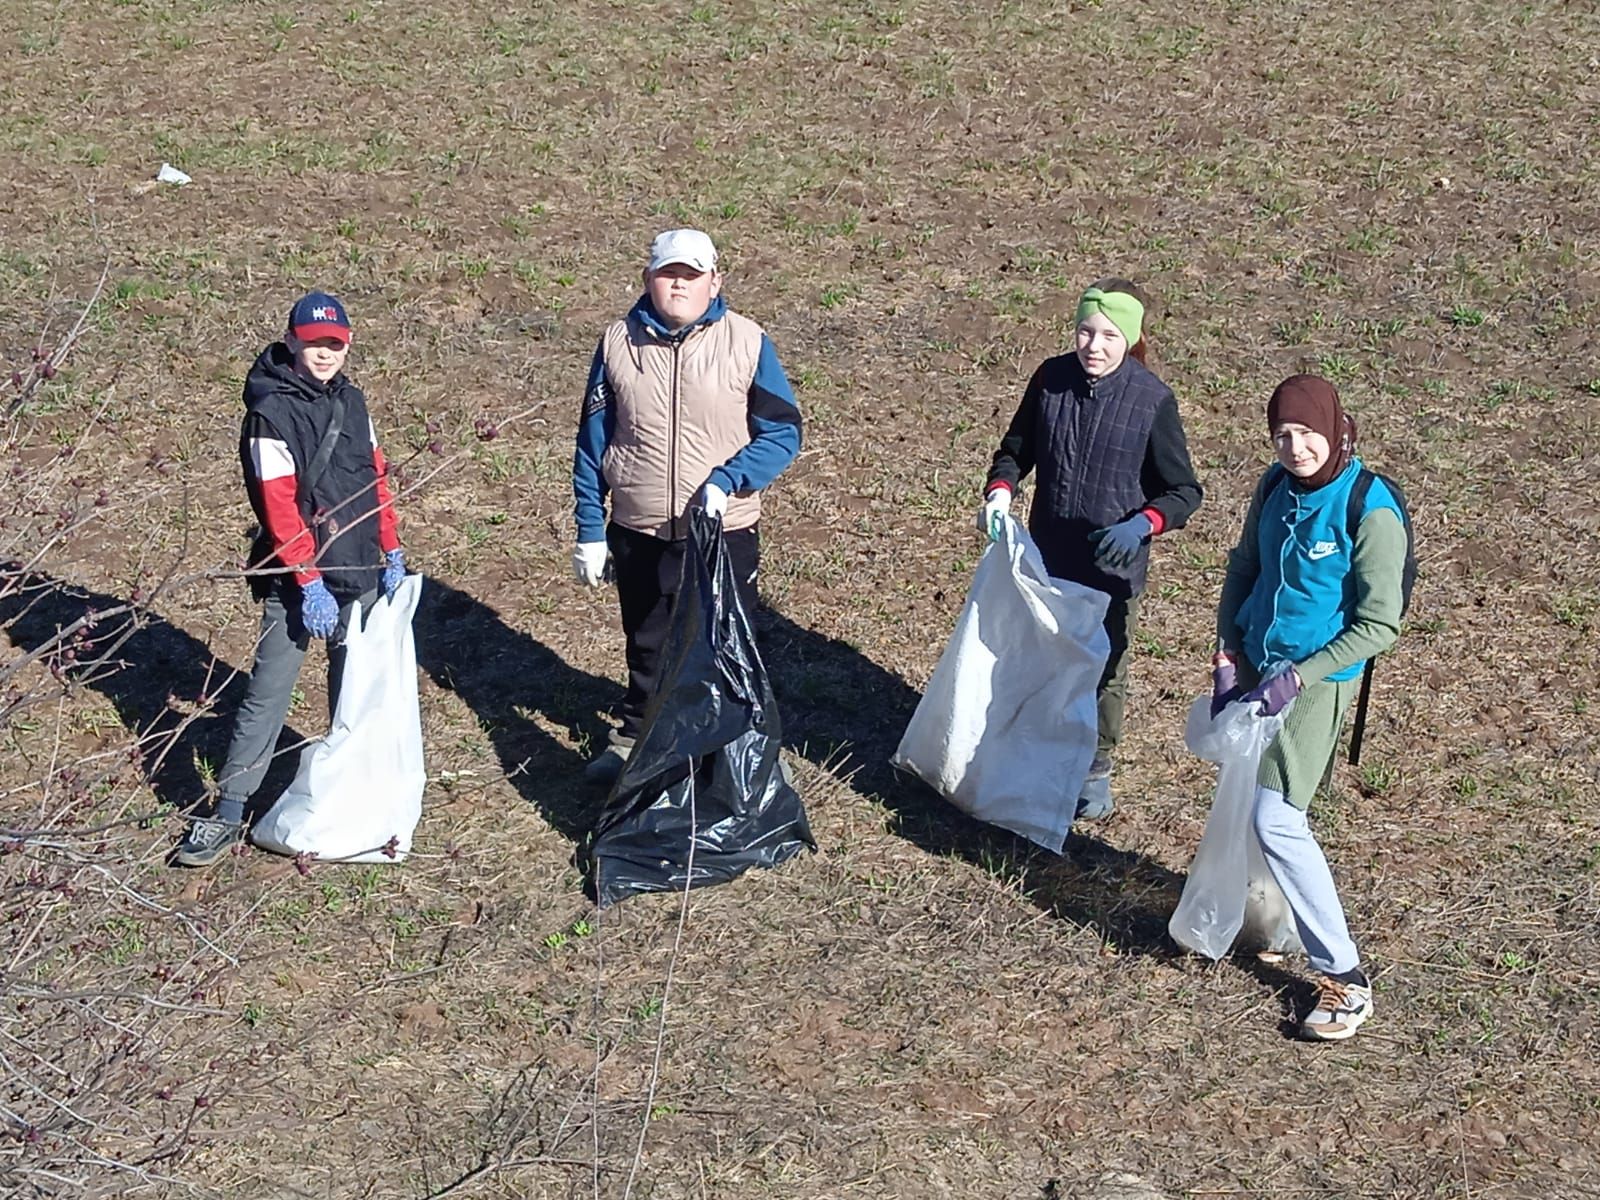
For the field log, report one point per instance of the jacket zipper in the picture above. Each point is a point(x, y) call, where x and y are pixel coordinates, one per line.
point(1086, 417)
point(672, 441)
point(1284, 551)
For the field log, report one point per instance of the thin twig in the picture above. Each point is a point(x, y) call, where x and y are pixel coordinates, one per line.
point(666, 992)
point(490, 1168)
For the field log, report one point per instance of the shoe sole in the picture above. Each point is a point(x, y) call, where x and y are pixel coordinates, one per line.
point(1347, 1033)
point(196, 860)
point(1310, 1032)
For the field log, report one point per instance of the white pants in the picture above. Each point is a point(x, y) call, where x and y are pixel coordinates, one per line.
point(1300, 868)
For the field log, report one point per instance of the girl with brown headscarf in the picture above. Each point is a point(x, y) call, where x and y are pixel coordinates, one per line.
point(1313, 590)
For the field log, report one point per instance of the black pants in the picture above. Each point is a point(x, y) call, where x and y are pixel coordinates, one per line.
point(648, 571)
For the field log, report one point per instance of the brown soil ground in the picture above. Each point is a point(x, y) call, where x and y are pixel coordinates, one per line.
point(908, 197)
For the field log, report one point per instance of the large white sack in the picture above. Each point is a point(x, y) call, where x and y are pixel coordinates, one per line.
point(361, 786)
point(1230, 888)
point(1008, 725)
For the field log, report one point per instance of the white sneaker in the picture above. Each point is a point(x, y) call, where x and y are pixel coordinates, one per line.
point(1341, 1009)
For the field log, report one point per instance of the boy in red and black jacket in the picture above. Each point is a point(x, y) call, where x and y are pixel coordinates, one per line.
point(319, 487)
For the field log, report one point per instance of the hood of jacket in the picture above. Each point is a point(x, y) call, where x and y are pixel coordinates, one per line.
point(645, 313)
point(273, 375)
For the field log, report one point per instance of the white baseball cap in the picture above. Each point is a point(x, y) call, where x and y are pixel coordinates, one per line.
point(687, 246)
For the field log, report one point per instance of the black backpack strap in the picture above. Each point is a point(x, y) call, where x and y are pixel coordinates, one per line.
point(1358, 731)
point(1353, 513)
point(324, 455)
point(1356, 506)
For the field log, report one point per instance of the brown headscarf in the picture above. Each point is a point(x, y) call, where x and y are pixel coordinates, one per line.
point(1310, 400)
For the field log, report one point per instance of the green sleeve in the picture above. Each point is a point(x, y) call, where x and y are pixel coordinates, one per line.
point(1379, 559)
point(1244, 566)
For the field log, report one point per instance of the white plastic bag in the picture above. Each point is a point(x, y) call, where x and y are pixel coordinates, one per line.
point(1007, 727)
point(1230, 888)
point(1268, 921)
point(361, 786)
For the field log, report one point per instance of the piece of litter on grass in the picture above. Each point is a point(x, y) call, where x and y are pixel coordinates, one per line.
point(171, 174)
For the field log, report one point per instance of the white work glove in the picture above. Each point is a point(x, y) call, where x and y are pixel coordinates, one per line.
point(714, 500)
point(591, 563)
point(996, 506)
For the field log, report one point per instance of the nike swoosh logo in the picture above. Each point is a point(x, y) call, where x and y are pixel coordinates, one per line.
point(1321, 552)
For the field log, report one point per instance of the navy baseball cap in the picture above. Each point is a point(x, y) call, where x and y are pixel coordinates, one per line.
point(318, 315)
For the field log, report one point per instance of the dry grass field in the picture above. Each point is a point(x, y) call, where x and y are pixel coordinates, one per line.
point(909, 196)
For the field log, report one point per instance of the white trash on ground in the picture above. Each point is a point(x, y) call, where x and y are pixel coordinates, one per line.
point(1008, 725)
point(360, 788)
point(171, 174)
point(1230, 896)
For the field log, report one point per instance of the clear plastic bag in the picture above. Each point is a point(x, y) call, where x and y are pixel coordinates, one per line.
point(1268, 921)
point(1230, 896)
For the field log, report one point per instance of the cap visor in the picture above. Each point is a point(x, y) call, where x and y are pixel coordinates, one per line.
point(321, 329)
point(678, 260)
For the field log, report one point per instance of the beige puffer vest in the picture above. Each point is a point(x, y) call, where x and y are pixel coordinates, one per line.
point(682, 411)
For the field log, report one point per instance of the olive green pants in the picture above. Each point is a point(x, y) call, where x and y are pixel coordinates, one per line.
point(1122, 618)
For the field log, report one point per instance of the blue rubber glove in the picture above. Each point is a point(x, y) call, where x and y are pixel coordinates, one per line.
point(1224, 683)
point(394, 571)
point(1274, 692)
point(319, 611)
point(1116, 546)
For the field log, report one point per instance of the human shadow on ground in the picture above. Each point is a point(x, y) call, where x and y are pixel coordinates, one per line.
point(156, 676)
point(832, 699)
point(514, 684)
point(505, 677)
point(840, 707)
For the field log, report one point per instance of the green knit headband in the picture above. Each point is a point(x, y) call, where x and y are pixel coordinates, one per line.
point(1121, 309)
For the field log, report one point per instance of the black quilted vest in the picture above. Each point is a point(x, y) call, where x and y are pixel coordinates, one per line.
point(1091, 439)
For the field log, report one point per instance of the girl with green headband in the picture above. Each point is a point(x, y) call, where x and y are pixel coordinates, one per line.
point(1103, 435)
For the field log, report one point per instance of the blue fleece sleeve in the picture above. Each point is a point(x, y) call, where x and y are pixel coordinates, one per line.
point(774, 420)
point(595, 427)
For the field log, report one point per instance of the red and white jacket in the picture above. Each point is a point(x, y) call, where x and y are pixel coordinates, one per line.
point(341, 530)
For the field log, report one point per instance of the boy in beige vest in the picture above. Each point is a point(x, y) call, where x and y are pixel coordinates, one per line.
point(686, 405)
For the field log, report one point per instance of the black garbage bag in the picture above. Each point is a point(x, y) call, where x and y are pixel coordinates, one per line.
point(710, 739)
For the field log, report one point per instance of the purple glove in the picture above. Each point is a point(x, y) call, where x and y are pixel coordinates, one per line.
point(1224, 683)
point(1274, 692)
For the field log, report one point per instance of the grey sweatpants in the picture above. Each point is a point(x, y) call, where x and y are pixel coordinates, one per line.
point(279, 652)
point(1301, 871)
